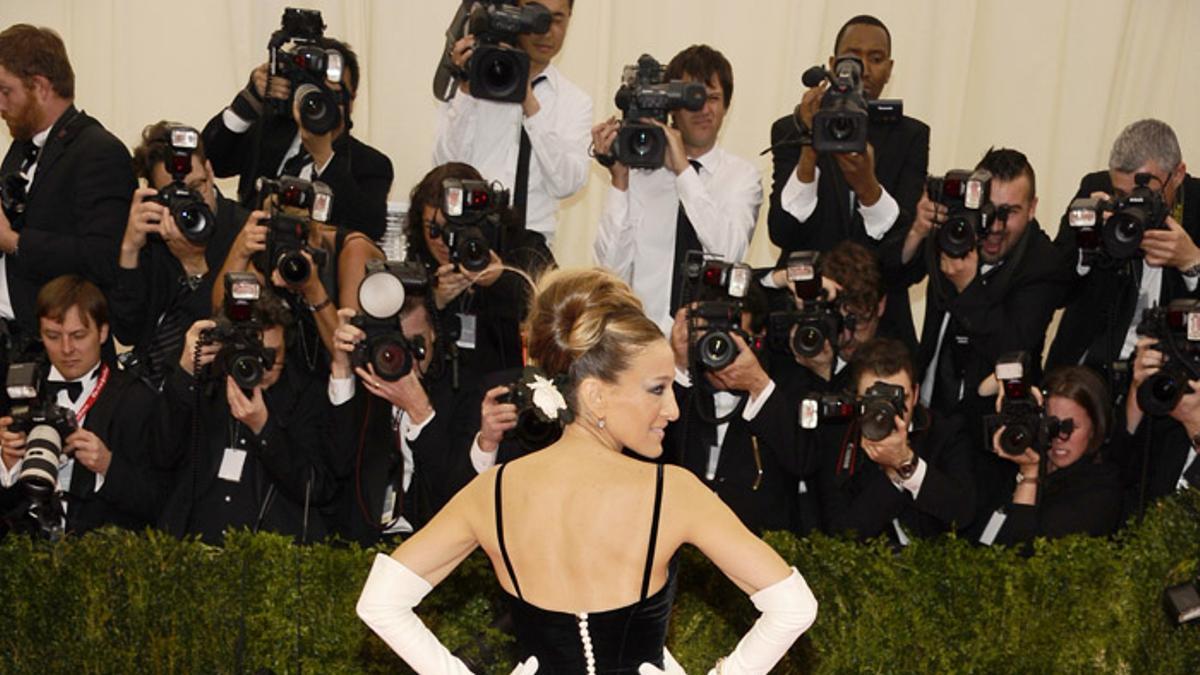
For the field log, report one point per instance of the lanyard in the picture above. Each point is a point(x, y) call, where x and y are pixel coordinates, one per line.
point(91, 399)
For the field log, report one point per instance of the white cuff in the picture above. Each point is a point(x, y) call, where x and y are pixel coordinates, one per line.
point(755, 403)
point(481, 460)
point(341, 390)
point(1190, 282)
point(9, 476)
point(913, 483)
point(682, 378)
point(1080, 268)
point(234, 123)
point(879, 217)
point(800, 199)
point(411, 430)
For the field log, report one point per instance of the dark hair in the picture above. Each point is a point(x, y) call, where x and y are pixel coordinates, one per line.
point(349, 61)
point(71, 290)
point(269, 310)
point(1007, 164)
point(27, 50)
point(856, 269)
point(1086, 388)
point(428, 192)
point(882, 356)
point(862, 20)
point(702, 63)
point(757, 306)
point(155, 148)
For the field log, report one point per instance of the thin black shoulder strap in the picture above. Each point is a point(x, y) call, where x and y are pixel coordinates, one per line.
point(658, 493)
point(500, 534)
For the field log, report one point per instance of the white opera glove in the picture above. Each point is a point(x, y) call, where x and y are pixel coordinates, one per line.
point(670, 666)
point(386, 605)
point(527, 667)
point(788, 608)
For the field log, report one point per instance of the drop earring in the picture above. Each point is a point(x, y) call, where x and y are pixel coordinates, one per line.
point(600, 423)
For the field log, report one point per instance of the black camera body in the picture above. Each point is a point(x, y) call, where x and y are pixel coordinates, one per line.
point(287, 233)
point(473, 211)
point(382, 294)
point(191, 213)
point(717, 289)
point(876, 410)
point(13, 196)
point(804, 330)
point(46, 424)
point(646, 94)
point(307, 66)
point(967, 198)
point(535, 429)
point(1176, 327)
point(1025, 422)
point(242, 354)
point(1119, 236)
point(840, 125)
point(497, 71)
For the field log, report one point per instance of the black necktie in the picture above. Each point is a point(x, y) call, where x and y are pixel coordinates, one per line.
point(521, 184)
point(686, 240)
point(948, 379)
point(293, 166)
point(73, 389)
point(31, 156)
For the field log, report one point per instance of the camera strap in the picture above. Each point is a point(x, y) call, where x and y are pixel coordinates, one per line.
point(91, 399)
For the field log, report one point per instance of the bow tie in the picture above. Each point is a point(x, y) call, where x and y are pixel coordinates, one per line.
point(73, 389)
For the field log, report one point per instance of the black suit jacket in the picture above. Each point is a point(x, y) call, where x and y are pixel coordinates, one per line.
point(901, 163)
point(1084, 498)
point(1157, 449)
point(866, 501)
point(76, 211)
point(359, 176)
point(1100, 306)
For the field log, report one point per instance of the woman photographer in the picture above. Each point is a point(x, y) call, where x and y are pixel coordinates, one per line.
point(1079, 491)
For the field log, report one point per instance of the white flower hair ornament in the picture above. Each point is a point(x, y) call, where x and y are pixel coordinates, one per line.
point(546, 396)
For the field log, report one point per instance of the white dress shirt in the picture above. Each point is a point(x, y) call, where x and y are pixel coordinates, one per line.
point(800, 200)
point(636, 237)
point(487, 135)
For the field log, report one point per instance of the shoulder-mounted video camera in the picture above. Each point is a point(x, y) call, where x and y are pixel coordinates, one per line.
point(498, 70)
point(646, 94)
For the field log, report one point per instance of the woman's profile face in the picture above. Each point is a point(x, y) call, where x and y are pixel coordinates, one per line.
point(1066, 451)
point(641, 402)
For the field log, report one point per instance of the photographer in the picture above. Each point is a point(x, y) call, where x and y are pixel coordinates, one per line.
point(164, 275)
point(913, 482)
point(480, 312)
point(1080, 492)
point(703, 198)
point(819, 199)
point(1108, 296)
point(104, 474)
point(251, 138)
point(548, 160)
point(404, 441)
point(68, 178)
point(255, 457)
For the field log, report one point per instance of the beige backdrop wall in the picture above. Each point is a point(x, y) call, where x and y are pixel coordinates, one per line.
point(1056, 79)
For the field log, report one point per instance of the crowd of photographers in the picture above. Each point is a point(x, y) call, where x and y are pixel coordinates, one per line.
point(277, 372)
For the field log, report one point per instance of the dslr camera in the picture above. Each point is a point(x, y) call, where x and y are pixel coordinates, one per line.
point(717, 288)
point(1177, 329)
point(1025, 422)
point(472, 209)
point(805, 331)
point(381, 295)
point(242, 355)
point(45, 423)
point(876, 410)
point(646, 94)
point(841, 123)
point(535, 428)
point(1119, 236)
point(496, 71)
point(12, 195)
point(307, 66)
point(967, 198)
point(191, 213)
point(287, 233)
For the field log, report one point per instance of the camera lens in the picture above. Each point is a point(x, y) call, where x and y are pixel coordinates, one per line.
point(319, 112)
point(642, 143)
point(246, 370)
point(390, 359)
point(500, 74)
point(195, 221)
point(472, 250)
point(956, 237)
point(841, 128)
point(39, 468)
point(716, 349)
point(808, 340)
point(293, 267)
point(1161, 392)
point(878, 420)
point(1016, 437)
point(1123, 233)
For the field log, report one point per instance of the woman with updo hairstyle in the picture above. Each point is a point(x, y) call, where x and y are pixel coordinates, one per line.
point(582, 534)
point(1079, 491)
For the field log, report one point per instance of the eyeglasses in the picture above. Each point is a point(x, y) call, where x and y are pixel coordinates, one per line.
point(433, 229)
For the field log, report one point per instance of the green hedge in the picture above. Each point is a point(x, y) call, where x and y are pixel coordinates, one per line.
point(115, 602)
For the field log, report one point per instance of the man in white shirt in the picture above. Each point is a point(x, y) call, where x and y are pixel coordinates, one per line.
point(704, 197)
point(549, 129)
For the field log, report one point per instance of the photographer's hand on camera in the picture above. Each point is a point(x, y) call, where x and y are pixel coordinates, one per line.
point(449, 283)
point(460, 53)
point(929, 216)
point(603, 137)
point(249, 410)
point(407, 393)
point(1187, 411)
point(189, 253)
point(1172, 247)
point(345, 337)
point(810, 103)
point(252, 239)
point(89, 450)
point(144, 218)
point(270, 86)
point(859, 170)
point(495, 419)
point(188, 360)
point(892, 452)
point(675, 158)
point(744, 373)
point(960, 271)
point(12, 443)
point(1146, 361)
point(8, 236)
point(679, 339)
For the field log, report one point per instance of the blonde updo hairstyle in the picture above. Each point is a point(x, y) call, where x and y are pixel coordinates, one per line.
point(586, 323)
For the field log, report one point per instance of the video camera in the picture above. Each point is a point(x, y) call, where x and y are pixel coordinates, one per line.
point(967, 198)
point(876, 410)
point(713, 291)
point(287, 233)
point(381, 295)
point(242, 354)
point(1119, 236)
point(473, 210)
point(804, 331)
point(1176, 327)
point(1025, 422)
point(307, 66)
point(189, 210)
point(645, 94)
point(13, 197)
point(497, 69)
point(841, 123)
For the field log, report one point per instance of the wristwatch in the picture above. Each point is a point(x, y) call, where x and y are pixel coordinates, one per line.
point(1191, 272)
point(907, 469)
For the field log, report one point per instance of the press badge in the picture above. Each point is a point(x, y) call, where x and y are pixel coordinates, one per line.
point(466, 333)
point(231, 465)
point(389, 505)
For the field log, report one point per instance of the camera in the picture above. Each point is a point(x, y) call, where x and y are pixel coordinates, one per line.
point(841, 123)
point(495, 71)
point(189, 210)
point(287, 234)
point(307, 66)
point(242, 354)
point(12, 195)
point(876, 410)
point(717, 289)
point(1119, 236)
point(45, 423)
point(472, 209)
point(1176, 327)
point(1025, 422)
point(804, 331)
point(541, 410)
point(967, 198)
point(381, 295)
point(645, 94)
